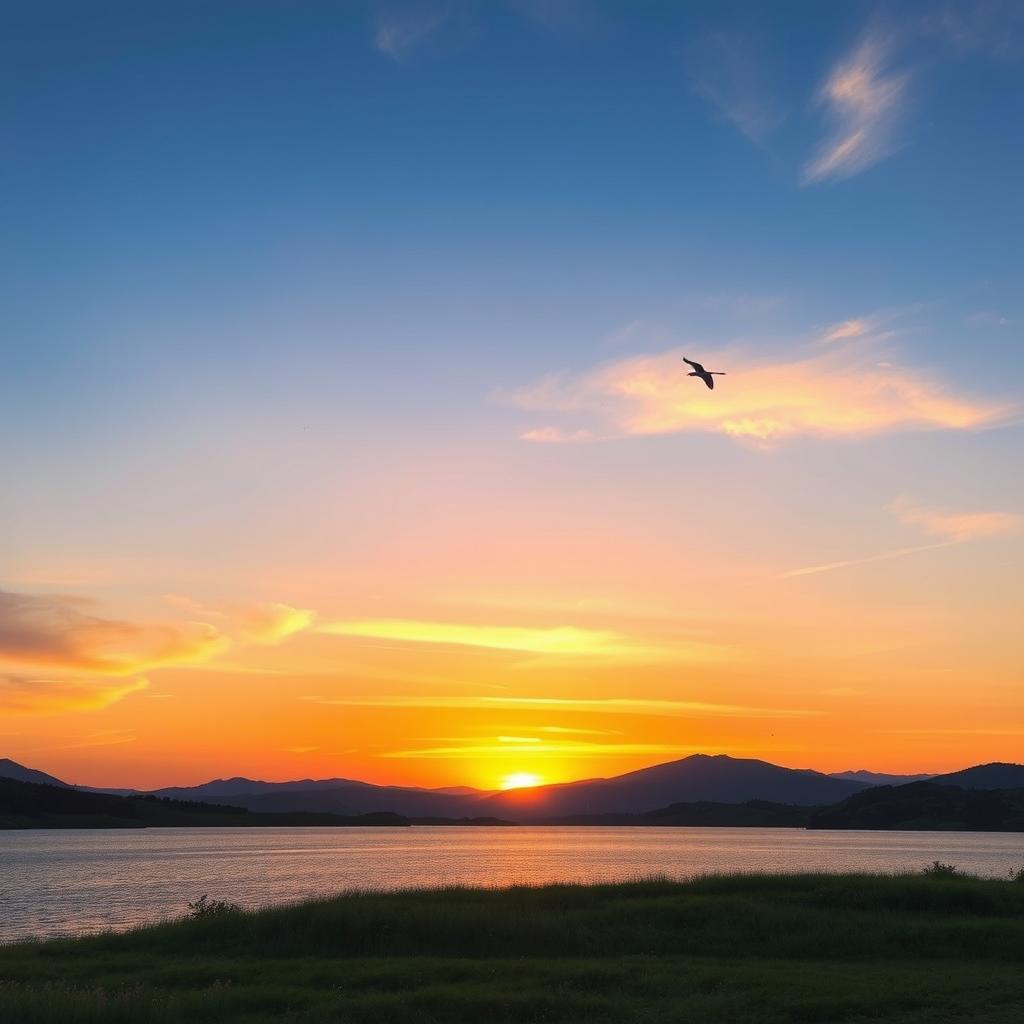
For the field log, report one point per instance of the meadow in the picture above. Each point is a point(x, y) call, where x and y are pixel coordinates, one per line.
point(920, 949)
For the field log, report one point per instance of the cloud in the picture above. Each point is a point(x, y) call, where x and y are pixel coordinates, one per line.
point(846, 330)
point(864, 99)
point(606, 705)
point(557, 641)
point(957, 527)
point(271, 623)
point(399, 33)
point(993, 28)
point(268, 622)
point(569, 749)
point(561, 729)
point(62, 633)
point(566, 640)
point(950, 527)
point(839, 392)
point(554, 435)
point(31, 695)
point(726, 71)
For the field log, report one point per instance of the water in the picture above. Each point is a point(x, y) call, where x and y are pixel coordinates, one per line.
point(61, 881)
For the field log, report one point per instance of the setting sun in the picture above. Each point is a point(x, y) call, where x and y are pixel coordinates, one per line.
point(520, 780)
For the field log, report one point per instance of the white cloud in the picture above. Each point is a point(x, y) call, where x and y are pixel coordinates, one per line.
point(949, 527)
point(399, 33)
point(865, 100)
point(726, 71)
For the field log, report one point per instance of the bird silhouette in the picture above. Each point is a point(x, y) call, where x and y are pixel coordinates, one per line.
point(708, 376)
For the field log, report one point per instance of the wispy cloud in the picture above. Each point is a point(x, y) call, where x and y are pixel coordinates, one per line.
point(399, 32)
point(993, 28)
point(957, 527)
point(864, 99)
point(951, 527)
point(836, 391)
point(569, 750)
point(569, 641)
point(267, 622)
point(567, 731)
point(605, 705)
point(44, 695)
point(727, 71)
point(64, 633)
point(846, 330)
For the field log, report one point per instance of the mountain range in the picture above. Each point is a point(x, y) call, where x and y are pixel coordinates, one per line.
point(699, 778)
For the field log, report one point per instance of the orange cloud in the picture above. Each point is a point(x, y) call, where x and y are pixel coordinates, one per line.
point(27, 695)
point(264, 623)
point(608, 705)
point(60, 632)
point(557, 641)
point(841, 392)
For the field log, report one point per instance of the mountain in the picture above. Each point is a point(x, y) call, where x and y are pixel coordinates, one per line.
point(997, 775)
point(926, 805)
point(879, 778)
point(701, 777)
point(35, 805)
point(12, 770)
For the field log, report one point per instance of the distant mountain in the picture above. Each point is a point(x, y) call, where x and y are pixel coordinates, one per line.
point(361, 798)
point(12, 770)
point(701, 777)
point(879, 778)
point(997, 775)
point(34, 805)
point(926, 805)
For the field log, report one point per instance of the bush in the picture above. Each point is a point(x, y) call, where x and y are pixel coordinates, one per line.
point(205, 907)
point(939, 870)
point(1017, 875)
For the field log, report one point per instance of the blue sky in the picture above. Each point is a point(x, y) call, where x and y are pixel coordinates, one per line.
point(290, 288)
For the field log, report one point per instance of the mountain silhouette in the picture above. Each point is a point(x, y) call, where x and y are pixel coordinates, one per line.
point(700, 777)
point(718, 779)
point(879, 778)
point(996, 775)
point(12, 770)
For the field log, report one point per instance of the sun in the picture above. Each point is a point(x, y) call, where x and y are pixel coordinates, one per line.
point(520, 780)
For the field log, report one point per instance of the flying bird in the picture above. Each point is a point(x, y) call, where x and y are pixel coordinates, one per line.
point(705, 375)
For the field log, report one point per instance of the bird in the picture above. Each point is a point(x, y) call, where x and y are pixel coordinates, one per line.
point(705, 375)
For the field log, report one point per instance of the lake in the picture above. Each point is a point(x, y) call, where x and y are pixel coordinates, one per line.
point(63, 881)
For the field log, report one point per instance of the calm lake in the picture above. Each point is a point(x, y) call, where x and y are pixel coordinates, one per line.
point(69, 881)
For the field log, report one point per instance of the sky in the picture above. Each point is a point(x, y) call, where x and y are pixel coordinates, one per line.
point(345, 428)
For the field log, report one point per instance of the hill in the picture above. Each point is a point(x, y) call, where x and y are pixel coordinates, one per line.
point(926, 805)
point(34, 805)
point(12, 770)
point(879, 778)
point(701, 777)
point(997, 775)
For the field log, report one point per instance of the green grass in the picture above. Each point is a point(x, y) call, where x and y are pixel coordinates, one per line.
point(807, 948)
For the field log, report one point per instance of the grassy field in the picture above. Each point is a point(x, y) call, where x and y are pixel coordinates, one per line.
point(914, 950)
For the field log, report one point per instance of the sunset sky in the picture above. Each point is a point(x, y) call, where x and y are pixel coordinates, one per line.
point(345, 425)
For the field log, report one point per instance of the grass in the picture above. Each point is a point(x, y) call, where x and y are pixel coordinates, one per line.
point(753, 948)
